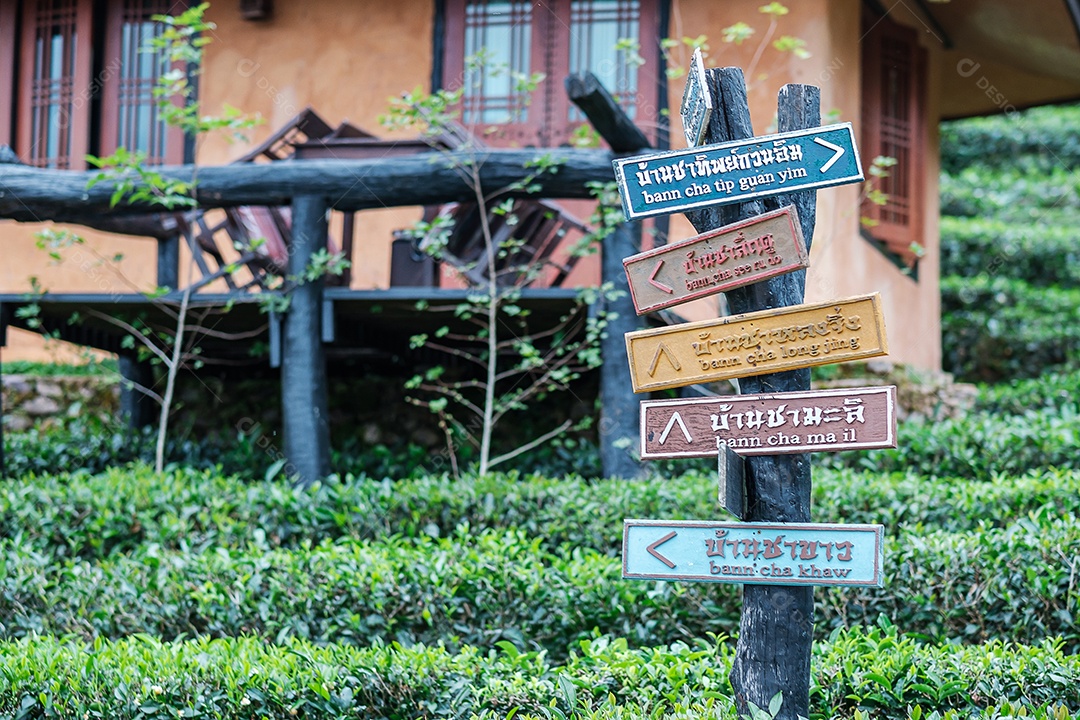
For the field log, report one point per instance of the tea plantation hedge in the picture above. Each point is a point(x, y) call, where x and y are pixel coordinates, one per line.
point(100, 516)
point(481, 586)
point(879, 670)
point(998, 328)
point(1036, 140)
point(1037, 254)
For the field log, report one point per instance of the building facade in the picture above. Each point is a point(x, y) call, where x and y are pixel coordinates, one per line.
point(74, 81)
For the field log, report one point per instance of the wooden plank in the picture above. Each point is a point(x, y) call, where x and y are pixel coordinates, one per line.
point(737, 171)
point(755, 553)
point(717, 261)
point(730, 480)
point(774, 424)
point(756, 343)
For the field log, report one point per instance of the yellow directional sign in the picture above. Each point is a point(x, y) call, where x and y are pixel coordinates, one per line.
point(757, 343)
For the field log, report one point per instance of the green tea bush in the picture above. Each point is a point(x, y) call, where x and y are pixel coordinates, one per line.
point(981, 446)
point(1011, 195)
point(99, 516)
point(476, 587)
point(994, 583)
point(480, 587)
point(996, 328)
point(1036, 140)
point(244, 677)
point(1037, 254)
point(1051, 390)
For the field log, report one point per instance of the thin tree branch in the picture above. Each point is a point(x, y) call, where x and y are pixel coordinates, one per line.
point(531, 444)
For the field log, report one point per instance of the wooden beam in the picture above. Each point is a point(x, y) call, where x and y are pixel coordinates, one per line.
point(605, 114)
point(303, 361)
point(34, 194)
point(776, 629)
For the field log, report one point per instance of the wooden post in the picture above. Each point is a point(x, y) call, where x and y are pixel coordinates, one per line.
point(776, 629)
point(303, 362)
point(618, 403)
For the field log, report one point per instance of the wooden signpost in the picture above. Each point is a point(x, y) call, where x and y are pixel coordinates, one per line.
point(759, 553)
point(731, 172)
point(730, 185)
point(763, 342)
point(717, 261)
point(780, 423)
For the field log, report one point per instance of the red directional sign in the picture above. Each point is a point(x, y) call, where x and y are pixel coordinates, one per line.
point(717, 261)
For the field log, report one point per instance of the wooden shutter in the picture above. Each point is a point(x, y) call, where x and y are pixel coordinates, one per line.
point(893, 108)
point(7, 69)
point(54, 83)
point(129, 114)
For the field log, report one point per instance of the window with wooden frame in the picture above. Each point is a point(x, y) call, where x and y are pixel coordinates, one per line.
point(490, 42)
point(83, 81)
point(7, 70)
point(893, 125)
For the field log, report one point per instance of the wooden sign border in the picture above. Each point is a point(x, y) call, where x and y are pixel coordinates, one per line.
point(802, 260)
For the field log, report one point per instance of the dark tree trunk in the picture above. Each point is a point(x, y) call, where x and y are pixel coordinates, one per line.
point(776, 629)
point(303, 362)
point(618, 403)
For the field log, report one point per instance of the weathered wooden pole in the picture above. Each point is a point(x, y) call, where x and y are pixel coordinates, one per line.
point(776, 629)
point(303, 361)
point(618, 403)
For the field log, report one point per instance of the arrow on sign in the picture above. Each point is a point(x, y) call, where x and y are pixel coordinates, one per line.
point(662, 348)
point(837, 150)
point(670, 424)
point(656, 283)
point(651, 549)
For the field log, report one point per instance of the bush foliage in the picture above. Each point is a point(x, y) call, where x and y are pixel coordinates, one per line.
point(994, 329)
point(878, 671)
point(1037, 140)
point(1034, 253)
point(480, 586)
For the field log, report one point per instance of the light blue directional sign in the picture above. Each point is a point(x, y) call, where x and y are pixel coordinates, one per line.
point(681, 180)
point(753, 553)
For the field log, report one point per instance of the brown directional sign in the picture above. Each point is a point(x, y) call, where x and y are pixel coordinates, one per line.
point(757, 343)
point(716, 261)
point(780, 423)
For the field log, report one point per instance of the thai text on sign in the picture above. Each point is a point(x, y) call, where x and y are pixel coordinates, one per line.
point(716, 261)
point(778, 423)
point(756, 343)
point(681, 180)
point(754, 553)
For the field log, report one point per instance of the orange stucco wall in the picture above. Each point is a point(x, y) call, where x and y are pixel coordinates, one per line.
point(347, 59)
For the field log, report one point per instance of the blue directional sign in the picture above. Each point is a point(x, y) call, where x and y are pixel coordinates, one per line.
point(753, 553)
point(681, 180)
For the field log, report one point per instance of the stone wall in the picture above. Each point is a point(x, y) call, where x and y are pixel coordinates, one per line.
point(30, 399)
